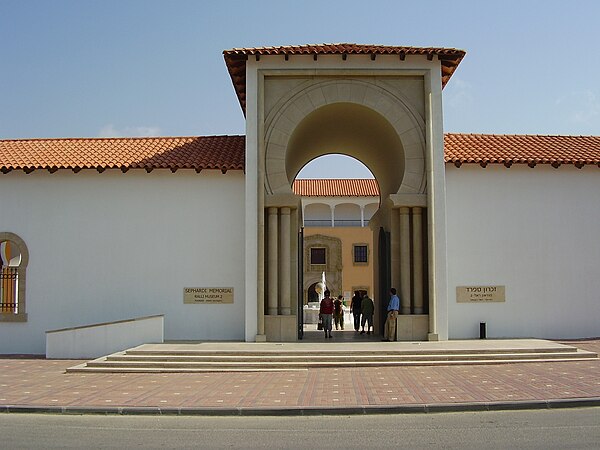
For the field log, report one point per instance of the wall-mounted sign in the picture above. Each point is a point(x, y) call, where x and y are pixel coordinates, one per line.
point(480, 294)
point(214, 295)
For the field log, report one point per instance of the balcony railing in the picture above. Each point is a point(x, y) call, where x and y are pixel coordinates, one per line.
point(337, 223)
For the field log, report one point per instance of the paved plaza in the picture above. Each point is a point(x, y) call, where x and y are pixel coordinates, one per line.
point(30, 384)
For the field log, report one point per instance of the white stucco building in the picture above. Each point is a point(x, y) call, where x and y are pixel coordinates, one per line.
point(470, 228)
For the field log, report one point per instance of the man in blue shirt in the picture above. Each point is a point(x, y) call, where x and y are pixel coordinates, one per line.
point(389, 332)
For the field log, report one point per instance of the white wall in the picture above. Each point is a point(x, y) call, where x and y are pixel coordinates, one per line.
point(112, 246)
point(535, 231)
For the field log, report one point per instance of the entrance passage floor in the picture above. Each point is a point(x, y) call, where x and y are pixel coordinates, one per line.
point(311, 334)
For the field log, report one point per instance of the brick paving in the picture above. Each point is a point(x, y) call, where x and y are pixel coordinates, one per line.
point(38, 382)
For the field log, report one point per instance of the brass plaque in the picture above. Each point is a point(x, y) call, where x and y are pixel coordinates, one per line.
point(480, 294)
point(212, 295)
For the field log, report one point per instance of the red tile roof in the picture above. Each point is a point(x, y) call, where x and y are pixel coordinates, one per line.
point(227, 152)
point(511, 149)
point(197, 152)
point(236, 58)
point(336, 188)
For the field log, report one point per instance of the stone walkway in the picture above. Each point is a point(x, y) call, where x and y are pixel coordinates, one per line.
point(43, 385)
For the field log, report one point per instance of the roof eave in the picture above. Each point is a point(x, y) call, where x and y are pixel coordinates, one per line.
point(235, 60)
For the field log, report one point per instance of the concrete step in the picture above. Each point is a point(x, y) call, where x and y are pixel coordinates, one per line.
point(352, 358)
point(356, 351)
point(123, 362)
point(286, 367)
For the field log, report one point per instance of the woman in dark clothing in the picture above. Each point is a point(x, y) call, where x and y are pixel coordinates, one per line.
point(355, 309)
point(367, 307)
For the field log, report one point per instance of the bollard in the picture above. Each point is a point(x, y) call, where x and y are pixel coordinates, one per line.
point(482, 330)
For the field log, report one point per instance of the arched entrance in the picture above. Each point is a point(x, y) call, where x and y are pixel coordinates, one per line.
point(384, 131)
point(337, 207)
point(397, 89)
point(314, 292)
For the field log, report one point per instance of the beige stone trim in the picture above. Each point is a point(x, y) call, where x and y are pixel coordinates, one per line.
point(291, 201)
point(333, 248)
point(399, 200)
point(333, 266)
point(361, 244)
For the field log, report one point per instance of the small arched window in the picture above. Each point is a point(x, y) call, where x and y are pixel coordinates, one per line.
point(14, 258)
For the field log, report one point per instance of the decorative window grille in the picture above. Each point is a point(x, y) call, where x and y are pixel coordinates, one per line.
point(361, 254)
point(14, 257)
point(318, 255)
point(9, 289)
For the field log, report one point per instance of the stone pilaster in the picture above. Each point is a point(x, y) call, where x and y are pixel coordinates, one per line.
point(405, 276)
point(285, 263)
point(417, 260)
point(272, 257)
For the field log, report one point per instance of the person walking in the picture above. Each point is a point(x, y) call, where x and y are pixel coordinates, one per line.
point(367, 308)
point(355, 309)
point(338, 312)
point(326, 313)
point(390, 321)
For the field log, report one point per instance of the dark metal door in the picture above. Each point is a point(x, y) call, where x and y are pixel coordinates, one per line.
point(301, 283)
point(385, 274)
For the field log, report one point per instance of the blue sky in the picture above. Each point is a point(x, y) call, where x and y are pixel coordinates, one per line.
point(145, 67)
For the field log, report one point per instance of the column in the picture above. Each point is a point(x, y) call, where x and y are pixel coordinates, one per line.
point(362, 215)
point(261, 270)
point(395, 248)
point(285, 263)
point(332, 207)
point(417, 259)
point(272, 262)
point(405, 260)
point(294, 229)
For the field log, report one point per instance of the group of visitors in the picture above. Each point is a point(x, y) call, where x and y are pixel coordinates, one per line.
point(326, 313)
point(362, 309)
point(331, 311)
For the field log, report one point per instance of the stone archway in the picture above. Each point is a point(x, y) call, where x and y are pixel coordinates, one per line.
point(394, 125)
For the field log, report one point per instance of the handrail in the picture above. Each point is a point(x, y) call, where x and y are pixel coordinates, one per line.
point(106, 323)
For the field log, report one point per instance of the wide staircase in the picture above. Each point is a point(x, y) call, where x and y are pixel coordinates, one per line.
point(241, 356)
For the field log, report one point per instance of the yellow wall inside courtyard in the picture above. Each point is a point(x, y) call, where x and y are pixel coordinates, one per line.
point(354, 275)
